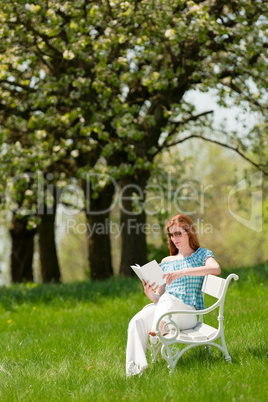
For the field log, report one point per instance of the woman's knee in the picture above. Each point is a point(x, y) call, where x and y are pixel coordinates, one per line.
point(142, 320)
point(136, 324)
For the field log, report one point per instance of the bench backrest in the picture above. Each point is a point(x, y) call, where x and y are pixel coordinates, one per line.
point(213, 286)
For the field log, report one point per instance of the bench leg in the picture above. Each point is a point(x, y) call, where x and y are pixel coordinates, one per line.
point(208, 348)
point(228, 358)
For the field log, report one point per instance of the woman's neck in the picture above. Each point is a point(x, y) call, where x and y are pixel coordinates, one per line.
point(185, 252)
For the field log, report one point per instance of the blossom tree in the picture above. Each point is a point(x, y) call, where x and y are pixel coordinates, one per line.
point(103, 85)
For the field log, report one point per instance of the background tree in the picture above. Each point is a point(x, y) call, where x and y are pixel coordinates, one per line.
point(215, 210)
point(22, 236)
point(94, 78)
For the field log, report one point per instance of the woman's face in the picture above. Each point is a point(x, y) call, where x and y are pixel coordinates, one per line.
point(179, 236)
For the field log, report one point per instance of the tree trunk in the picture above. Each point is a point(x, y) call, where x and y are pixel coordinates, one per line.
point(22, 250)
point(50, 270)
point(133, 224)
point(99, 244)
point(47, 247)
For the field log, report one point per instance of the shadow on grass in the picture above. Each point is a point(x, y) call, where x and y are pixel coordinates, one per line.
point(89, 291)
point(258, 351)
point(194, 359)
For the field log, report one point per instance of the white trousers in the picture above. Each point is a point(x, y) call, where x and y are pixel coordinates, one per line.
point(144, 322)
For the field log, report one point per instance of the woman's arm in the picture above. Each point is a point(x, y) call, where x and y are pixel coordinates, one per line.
point(153, 292)
point(211, 267)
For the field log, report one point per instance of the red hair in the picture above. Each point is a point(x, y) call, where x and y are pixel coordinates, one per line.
point(187, 224)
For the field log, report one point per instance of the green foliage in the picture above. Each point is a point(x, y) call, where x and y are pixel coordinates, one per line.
point(102, 86)
point(67, 342)
point(76, 78)
point(155, 252)
point(233, 243)
point(201, 190)
point(72, 246)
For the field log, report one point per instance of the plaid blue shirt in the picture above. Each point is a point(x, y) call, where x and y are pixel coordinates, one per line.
point(188, 288)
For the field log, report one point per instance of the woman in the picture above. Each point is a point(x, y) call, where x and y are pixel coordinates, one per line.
point(184, 271)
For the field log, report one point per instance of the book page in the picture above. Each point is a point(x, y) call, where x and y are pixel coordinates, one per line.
point(151, 272)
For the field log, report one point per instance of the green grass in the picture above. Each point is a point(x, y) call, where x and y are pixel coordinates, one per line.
point(67, 343)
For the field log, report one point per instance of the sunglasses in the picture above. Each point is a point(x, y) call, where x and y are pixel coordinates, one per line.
point(176, 234)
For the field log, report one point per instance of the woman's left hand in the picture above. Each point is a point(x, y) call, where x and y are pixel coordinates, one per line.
point(171, 276)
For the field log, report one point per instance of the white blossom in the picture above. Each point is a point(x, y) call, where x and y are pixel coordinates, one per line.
point(34, 8)
point(75, 153)
point(68, 55)
point(170, 34)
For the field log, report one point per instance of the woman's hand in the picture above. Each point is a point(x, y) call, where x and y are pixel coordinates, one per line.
point(150, 290)
point(171, 276)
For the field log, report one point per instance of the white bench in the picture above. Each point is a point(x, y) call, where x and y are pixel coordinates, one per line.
point(201, 334)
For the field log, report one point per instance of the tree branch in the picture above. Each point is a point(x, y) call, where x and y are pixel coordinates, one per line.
point(236, 149)
point(181, 123)
point(109, 8)
point(235, 88)
point(192, 118)
point(16, 84)
point(27, 24)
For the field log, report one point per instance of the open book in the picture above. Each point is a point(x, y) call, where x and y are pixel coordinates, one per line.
point(151, 272)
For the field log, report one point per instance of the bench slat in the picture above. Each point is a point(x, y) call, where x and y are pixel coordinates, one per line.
point(200, 332)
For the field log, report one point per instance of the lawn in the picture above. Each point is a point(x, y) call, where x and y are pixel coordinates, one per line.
point(67, 343)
